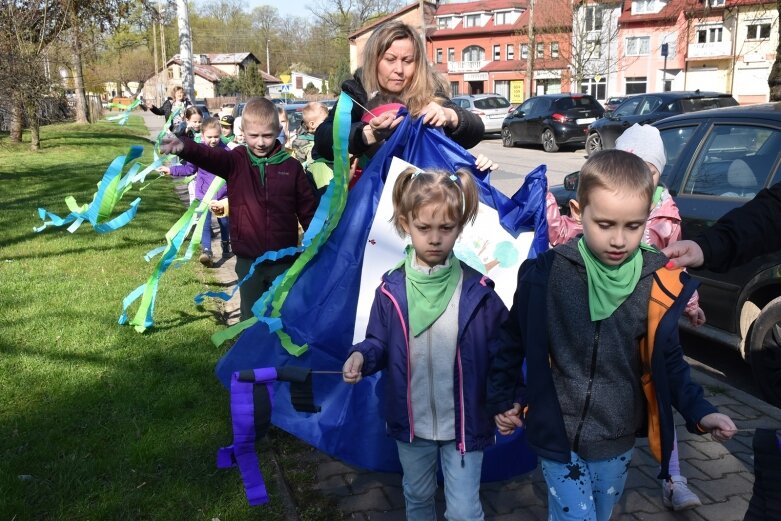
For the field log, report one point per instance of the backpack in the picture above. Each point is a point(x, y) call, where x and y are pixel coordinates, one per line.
point(665, 288)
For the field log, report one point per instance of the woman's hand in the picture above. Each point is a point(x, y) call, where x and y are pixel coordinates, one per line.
point(381, 127)
point(483, 163)
point(435, 115)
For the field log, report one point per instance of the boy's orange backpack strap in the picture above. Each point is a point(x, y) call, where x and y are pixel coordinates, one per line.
point(666, 286)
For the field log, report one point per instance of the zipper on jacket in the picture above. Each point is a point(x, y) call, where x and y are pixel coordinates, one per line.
point(462, 444)
point(431, 401)
point(587, 401)
point(410, 418)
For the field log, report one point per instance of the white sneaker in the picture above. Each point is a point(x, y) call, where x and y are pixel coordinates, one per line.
point(677, 496)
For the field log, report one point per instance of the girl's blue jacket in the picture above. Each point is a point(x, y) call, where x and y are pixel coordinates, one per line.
point(386, 347)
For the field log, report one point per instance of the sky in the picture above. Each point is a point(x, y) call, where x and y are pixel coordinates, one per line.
point(285, 7)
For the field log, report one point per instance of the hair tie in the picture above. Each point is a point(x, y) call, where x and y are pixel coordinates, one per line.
point(417, 172)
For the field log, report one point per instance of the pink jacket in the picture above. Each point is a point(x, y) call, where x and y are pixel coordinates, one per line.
point(662, 228)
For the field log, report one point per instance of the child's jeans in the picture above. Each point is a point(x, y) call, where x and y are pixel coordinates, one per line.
point(585, 490)
point(206, 237)
point(462, 484)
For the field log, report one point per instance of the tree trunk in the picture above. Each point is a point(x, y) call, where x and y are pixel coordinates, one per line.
point(32, 117)
point(774, 79)
point(17, 121)
point(78, 74)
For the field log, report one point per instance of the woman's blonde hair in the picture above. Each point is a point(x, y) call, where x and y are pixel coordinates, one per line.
point(424, 84)
point(414, 188)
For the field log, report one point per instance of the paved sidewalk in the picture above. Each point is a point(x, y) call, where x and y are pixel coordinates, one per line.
point(721, 474)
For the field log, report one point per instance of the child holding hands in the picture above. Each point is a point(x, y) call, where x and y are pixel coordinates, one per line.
point(268, 191)
point(432, 328)
point(579, 317)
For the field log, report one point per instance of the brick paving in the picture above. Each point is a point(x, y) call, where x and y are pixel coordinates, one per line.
point(720, 474)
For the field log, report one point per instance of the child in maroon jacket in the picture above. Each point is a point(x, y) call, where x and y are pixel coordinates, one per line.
point(268, 192)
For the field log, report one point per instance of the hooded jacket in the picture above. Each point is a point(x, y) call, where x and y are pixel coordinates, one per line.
point(203, 178)
point(264, 216)
point(468, 133)
point(386, 347)
point(595, 417)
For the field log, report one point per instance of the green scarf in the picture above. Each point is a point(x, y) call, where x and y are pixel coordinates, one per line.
point(261, 162)
point(429, 295)
point(657, 195)
point(610, 286)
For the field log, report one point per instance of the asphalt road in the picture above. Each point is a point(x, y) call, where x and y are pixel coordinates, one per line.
point(718, 361)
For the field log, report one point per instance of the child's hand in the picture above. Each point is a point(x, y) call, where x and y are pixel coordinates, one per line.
point(696, 317)
point(164, 170)
point(218, 208)
point(510, 420)
point(483, 163)
point(171, 145)
point(351, 371)
point(719, 425)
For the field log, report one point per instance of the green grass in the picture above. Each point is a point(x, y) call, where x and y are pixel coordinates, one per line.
point(97, 421)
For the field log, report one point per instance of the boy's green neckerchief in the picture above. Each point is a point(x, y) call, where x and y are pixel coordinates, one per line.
point(657, 195)
point(429, 295)
point(227, 139)
point(261, 162)
point(610, 286)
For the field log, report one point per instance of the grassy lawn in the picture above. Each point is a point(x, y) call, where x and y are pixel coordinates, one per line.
point(97, 421)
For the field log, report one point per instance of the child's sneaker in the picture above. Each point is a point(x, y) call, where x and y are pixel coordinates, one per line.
point(206, 258)
point(677, 496)
point(226, 250)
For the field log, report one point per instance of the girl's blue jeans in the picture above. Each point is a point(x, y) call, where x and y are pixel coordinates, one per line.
point(462, 483)
point(585, 490)
point(206, 237)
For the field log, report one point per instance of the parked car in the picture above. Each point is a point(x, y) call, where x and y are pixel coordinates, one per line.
point(551, 120)
point(203, 109)
point(613, 102)
point(491, 108)
point(716, 161)
point(647, 108)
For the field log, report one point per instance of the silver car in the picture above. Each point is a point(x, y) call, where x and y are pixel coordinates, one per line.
point(491, 108)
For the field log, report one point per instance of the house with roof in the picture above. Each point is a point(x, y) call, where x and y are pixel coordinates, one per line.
point(208, 70)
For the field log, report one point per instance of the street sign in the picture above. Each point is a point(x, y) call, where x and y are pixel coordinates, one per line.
point(665, 48)
point(285, 88)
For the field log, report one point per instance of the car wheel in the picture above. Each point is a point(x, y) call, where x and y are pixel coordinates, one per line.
point(593, 143)
point(507, 138)
point(549, 141)
point(765, 358)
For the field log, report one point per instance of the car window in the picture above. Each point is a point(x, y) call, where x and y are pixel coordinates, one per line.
point(695, 104)
point(649, 104)
point(675, 140)
point(734, 161)
point(628, 107)
point(492, 103)
point(526, 106)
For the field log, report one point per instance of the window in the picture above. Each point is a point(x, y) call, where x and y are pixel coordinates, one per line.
point(539, 50)
point(628, 108)
point(593, 17)
point(643, 6)
point(758, 31)
point(649, 104)
point(638, 45)
point(451, 54)
point(453, 89)
point(497, 52)
point(502, 18)
point(443, 23)
point(709, 34)
point(593, 50)
point(510, 52)
point(636, 85)
point(675, 140)
point(594, 88)
point(524, 51)
point(472, 20)
point(439, 56)
point(502, 88)
point(734, 161)
point(473, 53)
point(554, 50)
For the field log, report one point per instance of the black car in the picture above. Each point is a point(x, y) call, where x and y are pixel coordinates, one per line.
point(613, 102)
point(647, 108)
point(551, 120)
point(716, 161)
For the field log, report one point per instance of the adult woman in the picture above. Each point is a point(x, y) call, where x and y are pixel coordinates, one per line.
point(394, 64)
point(178, 101)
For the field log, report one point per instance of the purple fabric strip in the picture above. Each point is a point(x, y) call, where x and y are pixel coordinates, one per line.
point(242, 451)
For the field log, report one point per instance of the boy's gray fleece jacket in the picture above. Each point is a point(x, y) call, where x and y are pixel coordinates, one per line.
point(582, 384)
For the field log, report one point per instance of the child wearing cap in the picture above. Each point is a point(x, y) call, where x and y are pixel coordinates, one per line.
point(663, 227)
point(226, 123)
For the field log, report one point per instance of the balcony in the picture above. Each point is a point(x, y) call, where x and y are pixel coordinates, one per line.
point(710, 50)
point(471, 66)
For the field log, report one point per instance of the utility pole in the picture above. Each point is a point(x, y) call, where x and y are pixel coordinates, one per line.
point(185, 49)
point(268, 59)
point(157, 69)
point(529, 87)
